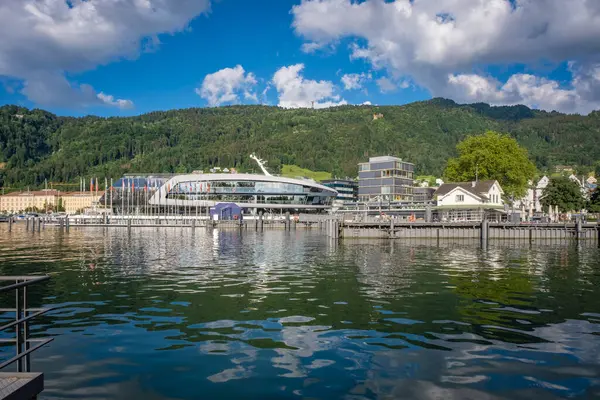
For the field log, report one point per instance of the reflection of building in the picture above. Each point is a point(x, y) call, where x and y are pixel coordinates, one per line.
point(347, 189)
point(385, 179)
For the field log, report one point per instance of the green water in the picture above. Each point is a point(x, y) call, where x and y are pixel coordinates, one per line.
point(176, 314)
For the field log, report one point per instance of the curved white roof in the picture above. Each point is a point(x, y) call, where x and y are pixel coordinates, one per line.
point(243, 177)
point(159, 197)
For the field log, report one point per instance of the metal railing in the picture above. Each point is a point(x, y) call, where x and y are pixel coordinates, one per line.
point(23, 316)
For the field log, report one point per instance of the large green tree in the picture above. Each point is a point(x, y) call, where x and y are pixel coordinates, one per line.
point(564, 193)
point(594, 203)
point(492, 156)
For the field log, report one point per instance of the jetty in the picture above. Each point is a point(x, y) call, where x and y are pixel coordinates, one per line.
point(22, 384)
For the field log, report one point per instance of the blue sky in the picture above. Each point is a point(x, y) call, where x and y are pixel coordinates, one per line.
point(144, 55)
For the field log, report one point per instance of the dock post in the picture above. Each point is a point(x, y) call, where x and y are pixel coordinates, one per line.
point(10, 222)
point(260, 220)
point(392, 235)
point(67, 223)
point(129, 225)
point(530, 235)
point(193, 224)
point(579, 228)
point(287, 220)
point(484, 233)
point(27, 223)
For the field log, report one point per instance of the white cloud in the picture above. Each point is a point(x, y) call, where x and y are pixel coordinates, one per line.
point(295, 91)
point(51, 37)
point(582, 94)
point(226, 85)
point(386, 85)
point(53, 89)
point(366, 103)
point(111, 101)
point(355, 81)
point(427, 40)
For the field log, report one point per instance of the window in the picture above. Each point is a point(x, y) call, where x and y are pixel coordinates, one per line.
point(459, 198)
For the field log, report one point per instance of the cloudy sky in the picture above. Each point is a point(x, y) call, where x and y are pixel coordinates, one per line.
point(125, 57)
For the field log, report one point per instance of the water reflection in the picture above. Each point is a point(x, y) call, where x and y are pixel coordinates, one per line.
point(174, 313)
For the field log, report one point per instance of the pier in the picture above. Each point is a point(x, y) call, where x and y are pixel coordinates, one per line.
point(484, 231)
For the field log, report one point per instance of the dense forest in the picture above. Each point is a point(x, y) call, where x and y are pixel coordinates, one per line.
point(36, 145)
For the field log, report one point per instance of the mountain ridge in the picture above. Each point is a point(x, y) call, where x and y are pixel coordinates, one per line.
point(36, 145)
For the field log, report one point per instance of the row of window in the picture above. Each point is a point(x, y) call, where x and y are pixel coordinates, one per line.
point(249, 187)
point(259, 199)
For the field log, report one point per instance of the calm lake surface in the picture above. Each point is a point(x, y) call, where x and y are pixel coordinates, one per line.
point(176, 314)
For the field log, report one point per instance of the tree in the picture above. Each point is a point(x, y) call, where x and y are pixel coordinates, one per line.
point(492, 156)
point(564, 193)
point(594, 203)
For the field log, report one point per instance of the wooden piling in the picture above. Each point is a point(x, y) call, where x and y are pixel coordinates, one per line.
point(484, 233)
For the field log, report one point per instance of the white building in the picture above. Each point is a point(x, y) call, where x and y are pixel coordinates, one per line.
point(531, 201)
point(466, 194)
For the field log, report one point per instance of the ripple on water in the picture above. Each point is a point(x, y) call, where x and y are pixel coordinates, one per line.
point(175, 312)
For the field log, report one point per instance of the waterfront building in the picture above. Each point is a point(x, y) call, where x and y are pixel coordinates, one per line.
point(198, 192)
point(48, 200)
point(39, 200)
point(531, 202)
point(248, 191)
point(469, 201)
point(79, 202)
point(347, 189)
point(385, 178)
point(476, 193)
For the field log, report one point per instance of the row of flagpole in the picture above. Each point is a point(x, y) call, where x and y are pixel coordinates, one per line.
point(130, 198)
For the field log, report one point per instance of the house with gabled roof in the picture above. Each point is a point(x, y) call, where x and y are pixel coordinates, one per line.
point(469, 194)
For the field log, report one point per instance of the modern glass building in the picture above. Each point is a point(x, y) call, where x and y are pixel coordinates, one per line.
point(195, 193)
point(347, 189)
point(248, 191)
point(385, 178)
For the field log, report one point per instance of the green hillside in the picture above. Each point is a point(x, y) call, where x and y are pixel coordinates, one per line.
point(293, 171)
point(36, 145)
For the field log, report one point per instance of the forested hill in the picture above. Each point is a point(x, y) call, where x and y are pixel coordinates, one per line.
point(37, 145)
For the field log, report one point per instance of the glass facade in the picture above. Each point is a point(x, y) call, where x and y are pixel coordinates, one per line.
point(254, 192)
point(347, 189)
point(386, 179)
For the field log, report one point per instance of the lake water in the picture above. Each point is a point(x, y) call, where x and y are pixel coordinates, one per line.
point(176, 314)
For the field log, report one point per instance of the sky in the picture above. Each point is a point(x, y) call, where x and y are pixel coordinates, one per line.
point(127, 57)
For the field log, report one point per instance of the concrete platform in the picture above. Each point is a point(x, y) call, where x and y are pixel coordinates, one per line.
point(20, 386)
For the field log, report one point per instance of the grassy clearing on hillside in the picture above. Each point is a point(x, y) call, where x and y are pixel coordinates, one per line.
point(293, 171)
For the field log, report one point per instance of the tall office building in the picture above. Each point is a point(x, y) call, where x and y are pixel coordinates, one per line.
point(385, 178)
